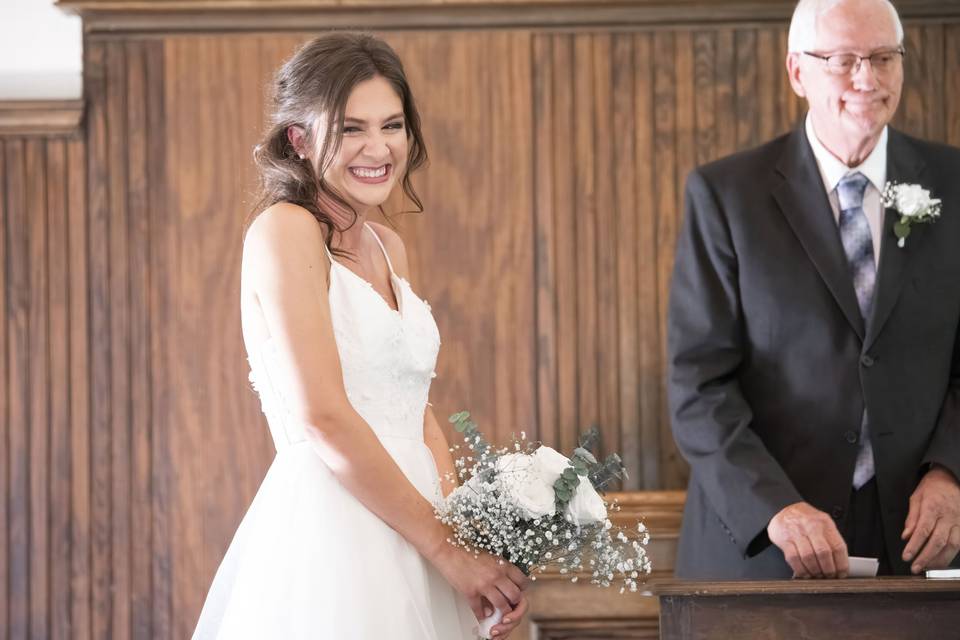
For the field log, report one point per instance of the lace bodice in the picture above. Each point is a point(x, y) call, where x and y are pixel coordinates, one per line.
point(387, 358)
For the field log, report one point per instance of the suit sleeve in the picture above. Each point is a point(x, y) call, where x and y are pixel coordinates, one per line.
point(944, 447)
point(711, 418)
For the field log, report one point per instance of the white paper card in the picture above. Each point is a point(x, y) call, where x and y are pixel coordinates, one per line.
point(863, 567)
point(944, 574)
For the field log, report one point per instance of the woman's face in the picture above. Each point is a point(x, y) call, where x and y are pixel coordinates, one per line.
point(373, 151)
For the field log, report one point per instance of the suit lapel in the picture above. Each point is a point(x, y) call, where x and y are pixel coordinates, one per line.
point(803, 199)
point(904, 165)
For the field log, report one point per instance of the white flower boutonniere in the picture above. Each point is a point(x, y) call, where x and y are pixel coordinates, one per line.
point(914, 205)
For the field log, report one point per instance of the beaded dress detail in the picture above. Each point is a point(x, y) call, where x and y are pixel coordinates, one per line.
point(309, 560)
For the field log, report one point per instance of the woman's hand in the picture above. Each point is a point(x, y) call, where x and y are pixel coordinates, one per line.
point(485, 581)
point(510, 620)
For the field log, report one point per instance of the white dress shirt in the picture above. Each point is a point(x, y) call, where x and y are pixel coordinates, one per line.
point(832, 170)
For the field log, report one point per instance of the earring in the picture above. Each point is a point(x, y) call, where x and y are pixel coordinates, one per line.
point(300, 155)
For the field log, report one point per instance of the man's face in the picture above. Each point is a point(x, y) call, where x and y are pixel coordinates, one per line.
point(849, 109)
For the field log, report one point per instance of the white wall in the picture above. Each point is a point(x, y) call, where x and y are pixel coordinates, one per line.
point(40, 51)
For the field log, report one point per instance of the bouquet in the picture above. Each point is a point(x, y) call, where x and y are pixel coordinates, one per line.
point(536, 508)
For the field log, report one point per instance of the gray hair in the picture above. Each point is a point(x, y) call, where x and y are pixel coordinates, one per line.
point(803, 26)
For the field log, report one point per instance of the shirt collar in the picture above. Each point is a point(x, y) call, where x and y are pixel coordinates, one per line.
point(833, 170)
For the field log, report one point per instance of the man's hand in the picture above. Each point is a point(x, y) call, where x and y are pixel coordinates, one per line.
point(933, 522)
point(810, 541)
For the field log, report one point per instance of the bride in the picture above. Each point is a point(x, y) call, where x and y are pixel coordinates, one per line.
point(341, 540)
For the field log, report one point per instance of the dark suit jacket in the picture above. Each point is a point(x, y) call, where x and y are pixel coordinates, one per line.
point(771, 364)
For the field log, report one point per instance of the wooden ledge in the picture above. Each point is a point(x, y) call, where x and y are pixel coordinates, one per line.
point(660, 511)
point(184, 16)
point(40, 117)
point(883, 584)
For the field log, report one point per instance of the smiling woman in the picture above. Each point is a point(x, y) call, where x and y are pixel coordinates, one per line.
point(342, 353)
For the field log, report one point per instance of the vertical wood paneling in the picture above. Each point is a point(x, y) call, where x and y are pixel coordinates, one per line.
point(769, 71)
point(705, 88)
point(625, 346)
point(545, 260)
point(922, 103)
point(118, 320)
point(747, 111)
point(98, 235)
point(725, 81)
point(18, 363)
point(138, 240)
point(951, 83)
point(5, 429)
point(564, 216)
point(648, 292)
point(80, 499)
point(510, 171)
point(585, 224)
point(162, 259)
point(606, 230)
point(190, 140)
point(665, 187)
point(38, 390)
point(57, 303)
point(38, 346)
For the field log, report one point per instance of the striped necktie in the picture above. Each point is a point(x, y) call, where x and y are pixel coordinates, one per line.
point(858, 247)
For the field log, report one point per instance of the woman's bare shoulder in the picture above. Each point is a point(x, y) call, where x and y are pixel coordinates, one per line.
point(284, 220)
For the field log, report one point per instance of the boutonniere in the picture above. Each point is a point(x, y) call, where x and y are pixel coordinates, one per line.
point(914, 205)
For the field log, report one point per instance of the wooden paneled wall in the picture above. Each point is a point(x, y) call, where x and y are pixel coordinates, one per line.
point(132, 442)
point(45, 436)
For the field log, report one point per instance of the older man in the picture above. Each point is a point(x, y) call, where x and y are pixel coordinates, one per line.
point(814, 357)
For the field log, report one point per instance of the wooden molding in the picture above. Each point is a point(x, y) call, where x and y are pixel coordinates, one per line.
point(660, 511)
point(40, 117)
point(173, 16)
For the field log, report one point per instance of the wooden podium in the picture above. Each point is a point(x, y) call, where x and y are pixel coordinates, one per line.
point(901, 608)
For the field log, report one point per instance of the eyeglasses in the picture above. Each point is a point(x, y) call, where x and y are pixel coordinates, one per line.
point(845, 64)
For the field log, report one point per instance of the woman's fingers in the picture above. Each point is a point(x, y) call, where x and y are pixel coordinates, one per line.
point(476, 605)
point(497, 599)
point(511, 621)
point(517, 576)
point(510, 591)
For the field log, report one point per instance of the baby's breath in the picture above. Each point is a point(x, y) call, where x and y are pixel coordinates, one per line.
point(484, 518)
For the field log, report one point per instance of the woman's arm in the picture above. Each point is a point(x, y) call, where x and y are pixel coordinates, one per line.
point(440, 448)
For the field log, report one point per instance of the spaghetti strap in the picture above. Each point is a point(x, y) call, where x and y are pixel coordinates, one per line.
point(327, 249)
point(382, 248)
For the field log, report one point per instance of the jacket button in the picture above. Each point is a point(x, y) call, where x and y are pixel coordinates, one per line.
point(866, 360)
point(851, 436)
point(837, 512)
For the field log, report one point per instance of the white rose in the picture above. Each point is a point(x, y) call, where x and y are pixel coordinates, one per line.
point(527, 485)
point(528, 480)
point(586, 506)
point(912, 200)
point(551, 461)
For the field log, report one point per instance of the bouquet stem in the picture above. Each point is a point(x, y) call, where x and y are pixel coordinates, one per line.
point(489, 622)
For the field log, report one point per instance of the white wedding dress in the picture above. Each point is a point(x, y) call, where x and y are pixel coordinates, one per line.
point(309, 560)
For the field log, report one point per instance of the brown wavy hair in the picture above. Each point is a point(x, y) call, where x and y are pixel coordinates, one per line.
point(312, 87)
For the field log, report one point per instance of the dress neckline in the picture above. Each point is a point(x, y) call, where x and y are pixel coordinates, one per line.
point(396, 284)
